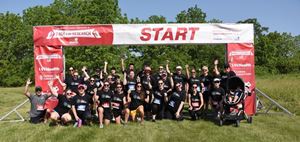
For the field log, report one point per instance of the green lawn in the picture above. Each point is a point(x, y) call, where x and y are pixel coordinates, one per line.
point(264, 128)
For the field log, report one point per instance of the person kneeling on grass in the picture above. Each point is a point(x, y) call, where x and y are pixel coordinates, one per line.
point(81, 106)
point(195, 102)
point(175, 103)
point(104, 104)
point(37, 101)
point(136, 99)
point(118, 103)
point(61, 111)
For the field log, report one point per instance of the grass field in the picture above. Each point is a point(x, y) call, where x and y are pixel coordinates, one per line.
point(271, 127)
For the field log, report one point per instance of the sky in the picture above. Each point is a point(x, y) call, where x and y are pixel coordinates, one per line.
point(278, 15)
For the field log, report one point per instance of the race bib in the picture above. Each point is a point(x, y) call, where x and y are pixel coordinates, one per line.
point(131, 87)
point(156, 101)
point(81, 108)
point(195, 104)
point(116, 105)
point(39, 107)
point(172, 103)
point(105, 105)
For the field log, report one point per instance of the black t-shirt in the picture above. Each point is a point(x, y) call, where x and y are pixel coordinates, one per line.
point(90, 88)
point(136, 100)
point(194, 80)
point(105, 98)
point(131, 82)
point(159, 96)
point(82, 103)
point(72, 83)
point(224, 77)
point(217, 94)
point(179, 78)
point(195, 100)
point(175, 99)
point(145, 82)
point(206, 80)
point(167, 84)
point(117, 101)
point(64, 104)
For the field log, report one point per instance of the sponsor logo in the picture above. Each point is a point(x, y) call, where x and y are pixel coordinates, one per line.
point(241, 65)
point(241, 53)
point(89, 33)
point(49, 69)
point(48, 57)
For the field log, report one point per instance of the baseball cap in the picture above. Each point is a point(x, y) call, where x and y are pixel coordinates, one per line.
point(81, 86)
point(216, 79)
point(38, 88)
point(179, 67)
point(226, 66)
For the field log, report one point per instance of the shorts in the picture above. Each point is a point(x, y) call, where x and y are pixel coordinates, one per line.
point(117, 112)
point(84, 116)
point(206, 97)
point(107, 113)
point(37, 119)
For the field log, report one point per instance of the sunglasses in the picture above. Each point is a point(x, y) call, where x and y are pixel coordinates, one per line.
point(139, 86)
point(195, 87)
point(106, 84)
point(69, 94)
point(216, 81)
point(81, 88)
point(92, 80)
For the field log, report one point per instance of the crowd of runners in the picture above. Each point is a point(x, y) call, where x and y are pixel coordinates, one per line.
point(101, 97)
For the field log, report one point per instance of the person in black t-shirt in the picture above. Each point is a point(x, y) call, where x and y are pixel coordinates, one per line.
point(195, 102)
point(168, 82)
point(91, 86)
point(62, 110)
point(118, 104)
point(217, 94)
point(193, 79)
point(158, 102)
point(147, 82)
point(136, 99)
point(206, 80)
point(81, 105)
point(104, 104)
point(175, 103)
point(227, 73)
point(129, 81)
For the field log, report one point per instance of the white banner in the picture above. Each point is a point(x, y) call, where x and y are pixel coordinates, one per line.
point(182, 33)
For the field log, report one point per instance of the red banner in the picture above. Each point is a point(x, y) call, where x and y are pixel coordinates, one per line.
point(48, 62)
point(80, 35)
point(241, 60)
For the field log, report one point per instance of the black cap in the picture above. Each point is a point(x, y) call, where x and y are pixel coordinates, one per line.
point(226, 66)
point(38, 88)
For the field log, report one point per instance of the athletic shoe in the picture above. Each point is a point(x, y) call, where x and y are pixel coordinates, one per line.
point(101, 126)
point(79, 123)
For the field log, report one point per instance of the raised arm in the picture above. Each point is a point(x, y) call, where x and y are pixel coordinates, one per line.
point(187, 71)
point(105, 67)
point(26, 91)
point(52, 89)
point(216, 62)
point(64, 85)
point(167, 67)
point(125, 79)
point(122, 65)
point(86, 76)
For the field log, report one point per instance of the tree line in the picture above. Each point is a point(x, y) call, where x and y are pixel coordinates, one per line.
point(274, 52)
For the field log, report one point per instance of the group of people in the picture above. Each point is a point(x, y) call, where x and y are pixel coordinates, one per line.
point(133, 96)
